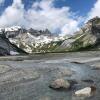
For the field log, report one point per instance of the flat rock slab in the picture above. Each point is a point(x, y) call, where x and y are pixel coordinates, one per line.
point(30, 80)
point(10, 74)
point(4, 68)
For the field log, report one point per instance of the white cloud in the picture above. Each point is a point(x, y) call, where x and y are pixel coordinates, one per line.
point(71, 27)
point(12, 15)
point(95, 11)
point(41, 15)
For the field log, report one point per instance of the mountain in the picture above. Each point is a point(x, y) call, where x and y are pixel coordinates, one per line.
point(7, 48)
point(31, 40)
point(87, 38)
point(41, 41)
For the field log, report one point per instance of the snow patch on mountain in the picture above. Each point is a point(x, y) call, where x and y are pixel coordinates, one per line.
point(29, 39)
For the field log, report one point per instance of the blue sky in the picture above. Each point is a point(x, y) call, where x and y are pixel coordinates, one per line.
point(82, 7)
point(59, 12)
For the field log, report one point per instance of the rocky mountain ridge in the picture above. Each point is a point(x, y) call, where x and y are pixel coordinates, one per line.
point(30, 41)
point(88, 37)
point(13, 31)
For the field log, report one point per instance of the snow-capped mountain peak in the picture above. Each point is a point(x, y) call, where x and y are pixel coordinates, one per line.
point(10, 29)
point(29, 39)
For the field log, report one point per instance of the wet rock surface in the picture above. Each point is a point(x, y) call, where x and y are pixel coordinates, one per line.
point(29, 79)
point(4, 68)
point(9, 74)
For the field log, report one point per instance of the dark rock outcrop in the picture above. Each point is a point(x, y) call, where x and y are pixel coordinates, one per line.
point(7, 48)
point(40, 32)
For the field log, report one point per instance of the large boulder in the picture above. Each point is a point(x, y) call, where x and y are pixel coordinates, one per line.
point(60, 84)
point(86, 92)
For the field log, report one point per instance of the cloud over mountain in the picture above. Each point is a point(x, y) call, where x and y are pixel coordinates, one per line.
point(43, 14)
point(95, 11)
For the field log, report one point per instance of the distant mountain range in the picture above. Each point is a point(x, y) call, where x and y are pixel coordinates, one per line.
point(30, 40)
point(20, 40)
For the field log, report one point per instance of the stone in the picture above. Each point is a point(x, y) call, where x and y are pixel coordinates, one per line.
point(96, 66)
point(86, 92)
point(4, 68)
point(23, 75)
point(17, 75)
point(45, 98)
point(64, 72)
point(60, 84)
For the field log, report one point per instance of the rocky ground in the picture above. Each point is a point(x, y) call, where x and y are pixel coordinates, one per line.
point(63, 76)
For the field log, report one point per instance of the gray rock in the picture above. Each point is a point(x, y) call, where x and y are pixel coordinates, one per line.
point(87, 37)
point(7, 48)
point(86, 92)
point(17, 75)
point(4, 68)
point(59, 84)
point(63, 72)
point(45, 98)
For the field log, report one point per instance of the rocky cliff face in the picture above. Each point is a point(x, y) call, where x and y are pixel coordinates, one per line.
point(7, 48)
point(87, 38)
